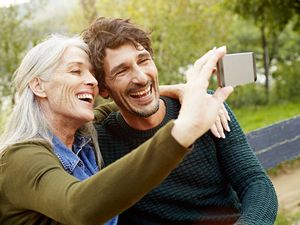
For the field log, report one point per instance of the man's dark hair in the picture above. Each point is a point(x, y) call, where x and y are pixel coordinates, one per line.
point(112, 33)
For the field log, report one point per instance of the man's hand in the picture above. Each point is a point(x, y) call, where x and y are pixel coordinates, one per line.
point(176, 91)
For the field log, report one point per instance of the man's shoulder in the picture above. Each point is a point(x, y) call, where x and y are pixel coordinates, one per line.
point(172, 104)
point(109, 122)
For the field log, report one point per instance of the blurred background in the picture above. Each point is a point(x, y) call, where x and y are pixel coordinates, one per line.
point(182, 30)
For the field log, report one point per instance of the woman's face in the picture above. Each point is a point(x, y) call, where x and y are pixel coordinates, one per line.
point(71, 92)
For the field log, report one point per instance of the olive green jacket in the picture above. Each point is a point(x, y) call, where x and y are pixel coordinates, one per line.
point(35, 189)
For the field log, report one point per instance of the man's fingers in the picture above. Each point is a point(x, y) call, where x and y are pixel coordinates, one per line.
point(214, 131)
point(225, 112)
point(223, 119)
point(219, 126)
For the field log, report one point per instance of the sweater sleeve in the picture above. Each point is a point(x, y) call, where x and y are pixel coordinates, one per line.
point(33, 179)
point(248, 178)
point(102, 111)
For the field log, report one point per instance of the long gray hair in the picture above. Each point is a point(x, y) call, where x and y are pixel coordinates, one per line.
point(27, 122)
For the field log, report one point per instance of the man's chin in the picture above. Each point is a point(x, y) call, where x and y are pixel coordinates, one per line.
point(147, 113)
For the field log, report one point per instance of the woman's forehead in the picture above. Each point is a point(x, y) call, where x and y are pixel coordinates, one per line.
point(75, 54)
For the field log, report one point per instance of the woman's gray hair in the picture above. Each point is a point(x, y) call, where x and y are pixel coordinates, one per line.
point(27, 122)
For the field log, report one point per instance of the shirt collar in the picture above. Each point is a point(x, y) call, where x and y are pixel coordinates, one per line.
point(68, 158)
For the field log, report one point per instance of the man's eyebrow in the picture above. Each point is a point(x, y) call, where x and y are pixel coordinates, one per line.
point(144, 54)
point(116, 68)
point(122, 65)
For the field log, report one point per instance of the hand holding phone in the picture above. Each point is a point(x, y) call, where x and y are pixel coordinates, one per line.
point(236, 69)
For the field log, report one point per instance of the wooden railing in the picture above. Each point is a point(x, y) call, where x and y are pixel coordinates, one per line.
point(276, 143)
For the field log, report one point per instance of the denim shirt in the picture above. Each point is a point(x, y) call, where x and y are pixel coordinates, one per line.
point(81, 162)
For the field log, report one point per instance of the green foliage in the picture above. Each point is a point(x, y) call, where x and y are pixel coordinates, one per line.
point(282, 219)
point(273, 14)
point(16, 37)
point(254, 117)
point(288, 81)
point(271, 17)
point(182, 30)
point(84, 12)
point(14, 41)
point(250, 94)
point(287, 218)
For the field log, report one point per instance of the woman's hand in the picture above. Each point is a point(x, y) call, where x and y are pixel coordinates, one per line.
point(198, 110)
point(177, 90)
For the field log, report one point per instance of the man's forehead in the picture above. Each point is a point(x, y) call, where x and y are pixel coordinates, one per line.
point(123, 53)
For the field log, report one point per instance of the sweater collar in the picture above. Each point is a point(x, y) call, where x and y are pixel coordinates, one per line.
point(150, 132)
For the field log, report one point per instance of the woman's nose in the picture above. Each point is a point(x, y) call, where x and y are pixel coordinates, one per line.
point(90, 79)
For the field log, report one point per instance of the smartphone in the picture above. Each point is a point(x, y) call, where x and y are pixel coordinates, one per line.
point(236, 69)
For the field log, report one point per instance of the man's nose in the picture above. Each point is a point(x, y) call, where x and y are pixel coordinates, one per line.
point(139, 76)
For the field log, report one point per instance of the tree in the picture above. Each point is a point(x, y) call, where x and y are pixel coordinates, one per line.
point(83, 14)
point(182, 30)
point(271, 17)
point(16, 36)
point(13, 42)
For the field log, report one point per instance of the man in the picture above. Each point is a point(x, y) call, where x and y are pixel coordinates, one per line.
point(220, 182)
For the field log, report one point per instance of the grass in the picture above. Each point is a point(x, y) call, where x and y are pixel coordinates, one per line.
point(286, 218)
point(254, 117)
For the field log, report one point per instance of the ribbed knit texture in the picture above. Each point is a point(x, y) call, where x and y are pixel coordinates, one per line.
point(219, 182)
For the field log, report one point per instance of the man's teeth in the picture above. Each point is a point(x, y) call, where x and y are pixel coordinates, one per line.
point(146, 92)
point(86, 97)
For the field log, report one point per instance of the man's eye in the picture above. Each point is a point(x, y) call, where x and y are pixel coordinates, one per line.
point(144, 60)
point(76, 71)
point(120, 73)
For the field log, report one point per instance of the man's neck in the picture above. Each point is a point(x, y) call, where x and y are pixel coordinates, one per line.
point(141, 123)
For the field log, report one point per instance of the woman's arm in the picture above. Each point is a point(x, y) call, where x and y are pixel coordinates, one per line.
point(35, 180)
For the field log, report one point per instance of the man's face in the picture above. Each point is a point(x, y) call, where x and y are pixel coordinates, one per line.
point(131, 80)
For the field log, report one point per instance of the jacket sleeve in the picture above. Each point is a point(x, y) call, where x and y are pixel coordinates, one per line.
point(248, 178)
point(33, 179)
point(102, 111)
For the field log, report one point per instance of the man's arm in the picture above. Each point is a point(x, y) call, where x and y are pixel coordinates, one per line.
point(248, 178)
point(221, 123)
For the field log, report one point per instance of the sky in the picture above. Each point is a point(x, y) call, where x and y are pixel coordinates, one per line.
point(6, 3)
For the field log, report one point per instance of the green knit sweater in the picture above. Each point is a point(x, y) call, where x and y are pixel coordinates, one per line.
point(219, 182)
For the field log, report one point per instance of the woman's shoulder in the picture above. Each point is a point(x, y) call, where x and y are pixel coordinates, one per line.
point(27, 150)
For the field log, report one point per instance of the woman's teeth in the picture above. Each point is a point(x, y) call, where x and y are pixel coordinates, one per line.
point(85, 97)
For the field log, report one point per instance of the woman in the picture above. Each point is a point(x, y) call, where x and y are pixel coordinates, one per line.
point(49, 155)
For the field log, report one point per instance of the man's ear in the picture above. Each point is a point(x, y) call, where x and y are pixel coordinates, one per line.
point(37, 87)
point(104, 93)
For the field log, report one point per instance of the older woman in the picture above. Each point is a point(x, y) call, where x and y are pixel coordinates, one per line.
point(50, 159)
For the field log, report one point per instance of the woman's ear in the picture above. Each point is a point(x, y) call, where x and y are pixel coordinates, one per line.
point(37, 87)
